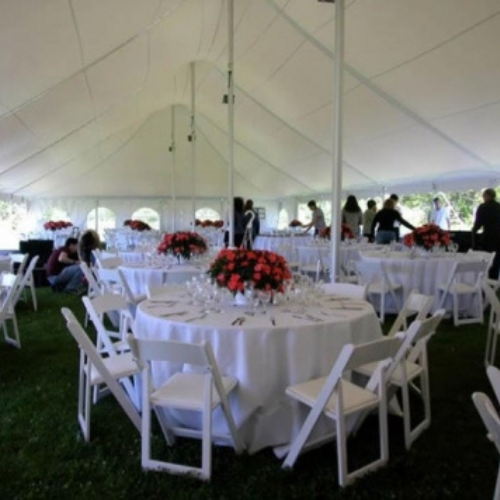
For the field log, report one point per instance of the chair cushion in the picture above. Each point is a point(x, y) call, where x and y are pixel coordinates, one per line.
point(355, 398)
point(185, 391)
point(119, 366)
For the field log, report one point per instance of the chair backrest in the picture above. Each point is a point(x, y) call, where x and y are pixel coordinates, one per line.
point(489, 416)
point(415, 340)
point(378, 350)
point(368, 272)
point(417, 305)
point(494, 376)
point(11, 282)
point(346, 290)
point(110, 262)
point(25, 277)
point(485, 256)
point(127, 291)
point(93, 286)
point(21, 259)
point(109, 303)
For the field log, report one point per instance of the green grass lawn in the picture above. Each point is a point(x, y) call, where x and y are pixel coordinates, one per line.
point(42, 454)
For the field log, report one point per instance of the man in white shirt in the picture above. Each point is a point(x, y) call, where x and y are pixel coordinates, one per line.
point(440, 215)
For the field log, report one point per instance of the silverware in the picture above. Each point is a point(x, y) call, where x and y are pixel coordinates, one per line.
point(201, 316)
point(273, 320)
point(167, 315)
point(236, 321)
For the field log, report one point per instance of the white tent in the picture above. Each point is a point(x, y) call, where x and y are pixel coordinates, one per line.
point(87, 89)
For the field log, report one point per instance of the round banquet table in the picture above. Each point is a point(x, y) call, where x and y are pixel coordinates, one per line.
point(423, 273)
point(274, 242)
point(140, 276)
point(264, 357)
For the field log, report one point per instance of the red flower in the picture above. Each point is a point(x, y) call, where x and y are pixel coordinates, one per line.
point(182, 243)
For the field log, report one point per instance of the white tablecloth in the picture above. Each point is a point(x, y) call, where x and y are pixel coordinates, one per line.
point(139, 277)
point(273, 243)
point(420, 273)
point(264, 358)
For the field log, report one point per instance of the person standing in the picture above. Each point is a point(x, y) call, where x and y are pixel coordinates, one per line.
point(317, 218)
point(440, 215)
point(385, 220)
point(395, 198)
point(368, 216)
point(252, 224)
point(63, 268)
point(488, 218)
point(239, 223)
point(352, 216)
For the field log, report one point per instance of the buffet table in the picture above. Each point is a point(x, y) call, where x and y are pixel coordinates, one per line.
point(266, 353)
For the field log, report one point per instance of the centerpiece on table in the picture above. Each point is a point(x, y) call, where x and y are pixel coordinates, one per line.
point(53, 225)
point(262, 270)
point(428, 237)
point(346, 233)
point(182, 244)
point(209, 223)
point(295, 223)
point(137, 225)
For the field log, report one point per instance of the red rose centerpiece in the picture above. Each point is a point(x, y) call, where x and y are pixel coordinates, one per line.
point(264, 270)
point(295, 223)
point(53, 225)
point(137, 225)
point(346, 233)
point(183, 244)
point(427, 236)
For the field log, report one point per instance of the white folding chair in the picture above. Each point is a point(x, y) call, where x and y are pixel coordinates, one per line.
point(465, 280)
point(25, 279)
point(410, 364)
point(494, 377)
point(491, 421)
point(95, 370)
point(22, 260)
point(201, 392)
point(346, 290)
point(338, 399)
point(417, 306)
point(378, 283)
point(116, 308)
point(93, 287)
point(493, 324)
point(9, 283)
point(131, 298)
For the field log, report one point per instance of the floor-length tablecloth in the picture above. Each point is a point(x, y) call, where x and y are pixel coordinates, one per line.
point(265, 358)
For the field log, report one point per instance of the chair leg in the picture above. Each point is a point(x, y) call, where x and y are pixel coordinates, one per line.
point(496, 496)
point(206, 443)
point(342, 451)
point(382, 307)
point(406, 415)
point(33, 294)
point(84, 403)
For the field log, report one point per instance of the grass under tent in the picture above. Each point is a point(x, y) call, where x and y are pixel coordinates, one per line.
point(42, 454)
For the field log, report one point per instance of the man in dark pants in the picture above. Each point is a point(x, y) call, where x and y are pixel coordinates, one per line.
point(488, 218)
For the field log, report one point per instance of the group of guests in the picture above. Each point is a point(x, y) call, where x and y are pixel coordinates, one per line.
point(246, 224)
point(63, 266)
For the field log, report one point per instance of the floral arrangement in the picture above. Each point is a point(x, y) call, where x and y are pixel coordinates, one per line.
point(183, 244)
point(264, 270)
point(137, 225)
point(295, 223)
point(209, 223)
point(427, 236)
point(346, 232)
point(53, 225)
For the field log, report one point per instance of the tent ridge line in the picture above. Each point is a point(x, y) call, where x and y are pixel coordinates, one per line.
point(252, 152)
point(378, 91)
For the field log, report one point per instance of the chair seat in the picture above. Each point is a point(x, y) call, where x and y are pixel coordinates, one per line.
point(412, 371)
point(381, 288)
point(355, 398)
point(119, 366)
point(185, 391)
point(459, 288)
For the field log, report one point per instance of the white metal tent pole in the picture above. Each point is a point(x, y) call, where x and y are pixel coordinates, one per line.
point(192, 138)
point(338, 64)
point(174, 185)
point(230, 116)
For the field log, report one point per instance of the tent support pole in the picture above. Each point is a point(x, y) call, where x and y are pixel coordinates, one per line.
point(338, 64)
point(192, 138)
point(230, 116)
point(174, 186)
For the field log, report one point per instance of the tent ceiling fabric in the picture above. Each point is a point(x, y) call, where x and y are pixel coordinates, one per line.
point(88, 87)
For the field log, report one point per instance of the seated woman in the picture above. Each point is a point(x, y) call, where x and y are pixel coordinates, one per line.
point(385, 220)
point(89, 240)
